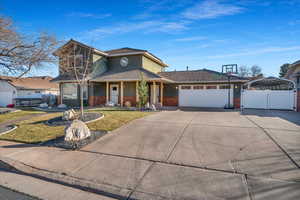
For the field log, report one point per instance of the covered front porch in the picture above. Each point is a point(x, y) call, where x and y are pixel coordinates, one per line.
point(124, 92)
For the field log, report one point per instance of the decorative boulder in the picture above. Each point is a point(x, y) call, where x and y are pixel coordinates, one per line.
point(43, 105)
point(127, 104)
point(62, 106)
point(77, 131)
point(69, 115)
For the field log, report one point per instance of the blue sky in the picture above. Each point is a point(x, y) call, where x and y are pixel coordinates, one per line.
point(194, 33)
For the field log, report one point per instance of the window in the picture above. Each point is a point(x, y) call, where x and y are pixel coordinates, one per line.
point(37, 91)
point(185, 87)
point(211, 87)
point(69, 91)
point(198, 87)
point(222, 87)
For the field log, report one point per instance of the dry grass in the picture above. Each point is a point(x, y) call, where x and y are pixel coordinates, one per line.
point(36, 131)
point(15, 115)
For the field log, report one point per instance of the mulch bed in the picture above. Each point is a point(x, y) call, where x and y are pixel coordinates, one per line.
point(88, 117)
point(61, 143)
point(5, 129)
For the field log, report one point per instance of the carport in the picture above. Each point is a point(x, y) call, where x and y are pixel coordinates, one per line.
point(269, 93)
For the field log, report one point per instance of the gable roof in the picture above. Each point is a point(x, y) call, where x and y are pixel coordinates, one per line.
point(115, 52)
point(56, 52)
point(129, 75)
point(33, 83)
point(131, 51)
point(123, 50)
point(200, 76)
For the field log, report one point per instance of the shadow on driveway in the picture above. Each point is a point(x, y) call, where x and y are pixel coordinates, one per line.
point(291, 116)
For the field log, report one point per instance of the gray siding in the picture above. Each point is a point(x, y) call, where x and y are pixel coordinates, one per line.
point(134, 62)
point(129, 89)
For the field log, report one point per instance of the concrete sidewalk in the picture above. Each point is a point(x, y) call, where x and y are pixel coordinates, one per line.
point(44, 189)
point(178, 155)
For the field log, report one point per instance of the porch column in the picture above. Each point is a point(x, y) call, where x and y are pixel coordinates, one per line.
point(136, 92)
point(107, 92)
point(121, 94)
point(154, 93)
point(161, 93)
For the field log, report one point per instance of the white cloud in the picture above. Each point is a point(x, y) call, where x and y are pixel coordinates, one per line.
point(143, 26)
point(257, 52)
point(88, 15)
point(208, 9)
point(187, 39)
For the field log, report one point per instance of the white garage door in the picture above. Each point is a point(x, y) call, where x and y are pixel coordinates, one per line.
point(201, 96)
point(269, 99)
point(5, 98)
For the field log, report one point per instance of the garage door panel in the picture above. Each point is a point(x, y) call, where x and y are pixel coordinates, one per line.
point(281, 99)
point(255, 99)
point(268, 99)
point(215, 98)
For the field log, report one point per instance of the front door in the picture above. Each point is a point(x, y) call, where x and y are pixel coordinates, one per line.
point(114, 93)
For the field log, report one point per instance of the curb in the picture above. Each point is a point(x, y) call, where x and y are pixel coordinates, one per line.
point(104, 189)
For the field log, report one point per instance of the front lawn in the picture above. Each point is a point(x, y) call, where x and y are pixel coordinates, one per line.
point(36, 131)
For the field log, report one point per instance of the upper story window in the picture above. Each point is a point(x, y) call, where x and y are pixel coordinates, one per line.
point(124, 61)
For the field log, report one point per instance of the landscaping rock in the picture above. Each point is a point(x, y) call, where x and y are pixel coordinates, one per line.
point(43, 105)
point(77, 131)
point(62, 106)
point(69, 115)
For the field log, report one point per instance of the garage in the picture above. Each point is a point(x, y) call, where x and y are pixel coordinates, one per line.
point(269, 93)
point(206, 96)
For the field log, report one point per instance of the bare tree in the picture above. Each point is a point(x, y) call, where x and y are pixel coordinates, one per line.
point(244, 71)
point(79, 66)
point(255, 70)
point(19, 54)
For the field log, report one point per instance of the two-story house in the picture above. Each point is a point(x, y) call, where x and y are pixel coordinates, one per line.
point(113, 76)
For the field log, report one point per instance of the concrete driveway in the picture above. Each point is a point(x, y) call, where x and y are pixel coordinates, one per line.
point(189, 154)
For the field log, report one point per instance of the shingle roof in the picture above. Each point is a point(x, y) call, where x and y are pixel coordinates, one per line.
point(129, 50)
point(203, 75)
point(124, 50)
point(132, 75)
point(38, 82)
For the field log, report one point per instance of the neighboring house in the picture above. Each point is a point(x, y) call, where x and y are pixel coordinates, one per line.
point(114, 76)
point(17, 90)
point(294, 74)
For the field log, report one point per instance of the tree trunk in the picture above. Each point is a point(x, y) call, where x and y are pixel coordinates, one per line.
point(81, 101)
